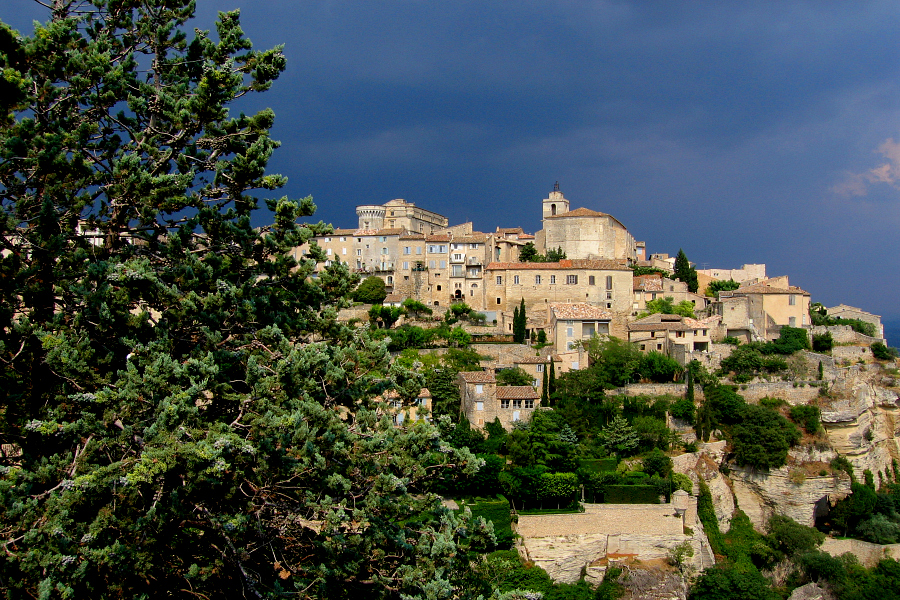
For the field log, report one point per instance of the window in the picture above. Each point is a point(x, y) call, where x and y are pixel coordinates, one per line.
point(443, 264)
point(418, 249)
point(457, 271)
point(382, 238)
point(328, 252)
point(384, 250)
point(570, 345)
point(438, 288)
point(406, 249)
point(571, 279)
point(679, 334)
point(457, 257)
point(405, 265)
point(343, 251)
point(792, 300)
point(479, 389)
point(552, 279)
point(591, 280)
point(343, 239)
point(499, 280)
point(659, 346)
point(515, 280)
point(529, 403)
point(792, 321)
point(504, 403)
point(570, 331)
point(479, 406)
point(537, 280)
point(643, 346)
point(705, 332)
point(609, 282)
point(473, 246)
point(540, 368)
point(517, 404)
point(432, 264)
point(609, 295)
point(328, 239)
point(498, 301)
point(359, 252)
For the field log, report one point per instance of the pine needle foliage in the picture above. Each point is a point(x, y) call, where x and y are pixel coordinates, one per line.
point(183, 413)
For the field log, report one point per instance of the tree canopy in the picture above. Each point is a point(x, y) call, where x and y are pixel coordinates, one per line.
point(174, 381)
point(685, 272)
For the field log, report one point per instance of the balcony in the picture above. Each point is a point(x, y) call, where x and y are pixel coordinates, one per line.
point(474, 260)
point(457, 258)
point(473, 273)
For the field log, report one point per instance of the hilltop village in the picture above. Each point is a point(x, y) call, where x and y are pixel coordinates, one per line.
point(729, 356)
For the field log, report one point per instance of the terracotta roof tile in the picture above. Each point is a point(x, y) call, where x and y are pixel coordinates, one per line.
point(762, 288)
point(412, 236)
point(438, 237)
point(579, 212)
point(535, 360)
point(517, 392)
point(478, 377)
point(391, 231)
point(579, 311)
point(597, 265)
point(390, 394)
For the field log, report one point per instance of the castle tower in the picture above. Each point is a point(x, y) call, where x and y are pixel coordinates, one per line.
point(370, 216)
point(556, 204)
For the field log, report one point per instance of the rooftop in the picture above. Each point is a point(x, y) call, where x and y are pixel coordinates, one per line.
point(517, 392)
point(478, 377)
point(579, 311)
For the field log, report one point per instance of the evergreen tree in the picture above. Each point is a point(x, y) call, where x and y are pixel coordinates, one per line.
point(520, 323)
point(545, 388)
point(528, 253)
point(685, 272)
point(551, 379)
point(173, 379)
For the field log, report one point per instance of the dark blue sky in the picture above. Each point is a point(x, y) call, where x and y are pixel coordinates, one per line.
point(740, 131)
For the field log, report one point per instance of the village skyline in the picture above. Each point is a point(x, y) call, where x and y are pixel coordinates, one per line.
point(739, 133)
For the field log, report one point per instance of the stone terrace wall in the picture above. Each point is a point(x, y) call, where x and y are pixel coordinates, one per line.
point(868, 554)
point(852, 353)
point(754, 392)
point(844, 334)
point(567, 545)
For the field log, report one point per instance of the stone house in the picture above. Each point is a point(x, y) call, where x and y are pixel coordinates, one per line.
point(770, 305)
point(535, 366)
point(482, 400)
point(746, 274)
point(842, 311)
point(419, 410)
point(603, 283)
point(654, 286)
point(399, 214)
point(673, 335)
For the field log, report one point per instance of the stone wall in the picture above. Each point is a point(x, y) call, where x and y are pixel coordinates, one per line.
point(868, 554)
point(852, 354)
point(568, 544)
point(843, 334)
point(754, 392)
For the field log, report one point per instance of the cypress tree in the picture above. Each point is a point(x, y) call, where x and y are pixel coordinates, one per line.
point(551, 380)
point(545, 388)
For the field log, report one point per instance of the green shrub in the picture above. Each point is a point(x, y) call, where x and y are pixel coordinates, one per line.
point(631, 494)
point(599, 465)
point(763, 437)
point(657, 463)
point(684, 409)
point(791, 538)
point(807, 416)
point(497, 512)
point(823, 342)
point(883, 352)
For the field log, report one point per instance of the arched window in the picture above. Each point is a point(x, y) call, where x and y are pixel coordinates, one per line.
point(552, 209)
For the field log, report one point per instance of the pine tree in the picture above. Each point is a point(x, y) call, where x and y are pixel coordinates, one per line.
point(173, 379)
point(520, 323)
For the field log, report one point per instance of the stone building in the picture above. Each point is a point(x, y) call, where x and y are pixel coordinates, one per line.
point(400, 214)
point(482, 400)
point(583, 233)
point(770, 304)
point(842, 311)
point(673, 335)
point(535, 367)
point(603, 283)
point(419, 410)
point(747, 273)
point(651, 287)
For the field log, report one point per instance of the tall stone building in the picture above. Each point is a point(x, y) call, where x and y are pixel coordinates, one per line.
point(583, 233)
point(400, 214)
